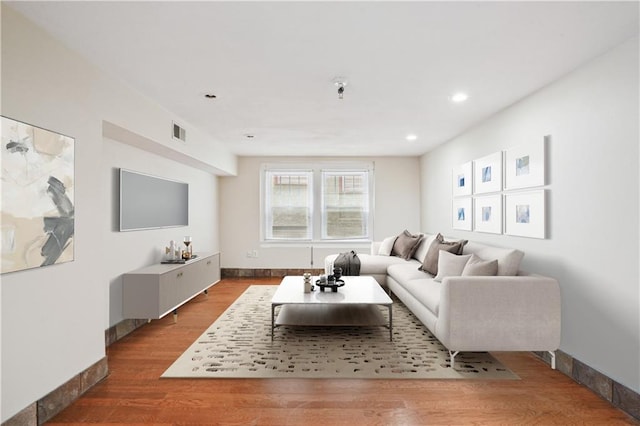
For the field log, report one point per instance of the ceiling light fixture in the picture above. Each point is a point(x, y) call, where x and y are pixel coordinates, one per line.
point(340, 83)
point(411, 137)
point(459, 97)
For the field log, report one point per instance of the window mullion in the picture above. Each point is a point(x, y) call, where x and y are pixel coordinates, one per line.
point(317, 205)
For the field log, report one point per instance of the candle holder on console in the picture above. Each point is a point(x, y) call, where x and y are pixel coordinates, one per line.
point(188, 252)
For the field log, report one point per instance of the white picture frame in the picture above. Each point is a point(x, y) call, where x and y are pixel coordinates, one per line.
point(462, 179)
point(487, 174)
point(525, 166)
point(487, 214)
point(462, 213)
point(525, 214)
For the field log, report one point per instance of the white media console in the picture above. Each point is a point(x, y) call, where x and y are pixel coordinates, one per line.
point(156, 290)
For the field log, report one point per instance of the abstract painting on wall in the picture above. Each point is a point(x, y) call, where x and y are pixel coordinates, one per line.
point(462, 214)
point(488, 214)
point(462, 179)
point(525, 214)
point(488, 174)
point(37, 197)
point(525, 165)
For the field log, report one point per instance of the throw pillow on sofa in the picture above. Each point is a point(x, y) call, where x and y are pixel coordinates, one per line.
point(476, 266)
point(508, 259)
point(423, 247)
point(387, 246)
point(430, 263)
point(452, 265)
point(405, 245)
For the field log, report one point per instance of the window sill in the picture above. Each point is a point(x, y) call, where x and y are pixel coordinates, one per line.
point(318, 244)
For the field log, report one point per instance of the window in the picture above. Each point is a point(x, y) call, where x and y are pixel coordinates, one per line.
point(345, 205)
point(288, 205)
point(323, 203)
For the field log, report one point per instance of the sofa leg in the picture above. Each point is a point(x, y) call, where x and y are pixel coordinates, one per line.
point(553, 359)
point(452, 355)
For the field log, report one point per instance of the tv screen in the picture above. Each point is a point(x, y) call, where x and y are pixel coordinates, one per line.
point(148, 202)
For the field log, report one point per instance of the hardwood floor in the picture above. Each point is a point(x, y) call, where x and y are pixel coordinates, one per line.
point(134, 393)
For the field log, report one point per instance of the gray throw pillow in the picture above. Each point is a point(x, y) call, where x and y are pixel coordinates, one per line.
point(405, 245)
point(430, 263)
point(478, 267)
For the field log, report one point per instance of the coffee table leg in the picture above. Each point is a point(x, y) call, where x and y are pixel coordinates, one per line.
point(273, 310)
point(390, 323)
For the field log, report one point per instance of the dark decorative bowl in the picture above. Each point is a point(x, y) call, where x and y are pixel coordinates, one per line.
point(333, 284)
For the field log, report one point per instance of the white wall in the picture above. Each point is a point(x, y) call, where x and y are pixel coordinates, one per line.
point(126, 251)
point(592, 247)
point(54, 318)
point(397, 206)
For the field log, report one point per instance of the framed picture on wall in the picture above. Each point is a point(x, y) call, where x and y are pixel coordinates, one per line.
point(462, 214)
point(487, 174)
point(462, 180)
point(38, 184)
point(524, 166)
point(487, 215)
point(525, 214)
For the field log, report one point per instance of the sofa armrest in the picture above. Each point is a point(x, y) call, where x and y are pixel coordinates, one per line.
point(504, 313)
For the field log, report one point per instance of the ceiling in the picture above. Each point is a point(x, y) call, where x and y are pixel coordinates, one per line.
point(271, 65)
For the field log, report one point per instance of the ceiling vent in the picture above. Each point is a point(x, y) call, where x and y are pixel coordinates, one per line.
point(179, 133)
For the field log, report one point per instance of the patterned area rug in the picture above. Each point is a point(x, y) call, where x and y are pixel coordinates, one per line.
point(238, 345)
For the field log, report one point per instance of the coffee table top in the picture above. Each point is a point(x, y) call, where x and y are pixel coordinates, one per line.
point(356, 290)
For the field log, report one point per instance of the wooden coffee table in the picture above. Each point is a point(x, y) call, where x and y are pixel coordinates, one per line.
point(354, 304)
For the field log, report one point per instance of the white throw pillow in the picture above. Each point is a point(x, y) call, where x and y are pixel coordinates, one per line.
point(423, 248)
point(386, 246)
point(450, 265)
point(508, 259)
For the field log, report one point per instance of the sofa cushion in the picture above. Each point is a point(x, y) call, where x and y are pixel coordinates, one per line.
point(378, 264)
point(452, 265)
point(508, 259)
point(404, 272)
point(426, 291)
point(386, 246)
point(405, 245)
point(476, 266)
point(430, 263)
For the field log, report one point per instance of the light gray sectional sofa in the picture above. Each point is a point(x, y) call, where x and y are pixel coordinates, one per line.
point(502, 310)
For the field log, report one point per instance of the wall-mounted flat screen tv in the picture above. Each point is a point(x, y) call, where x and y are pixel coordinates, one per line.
point(148, 202)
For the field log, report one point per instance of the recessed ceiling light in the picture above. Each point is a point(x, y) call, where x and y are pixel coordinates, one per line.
point(411, 137)
point(459, 97)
